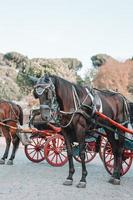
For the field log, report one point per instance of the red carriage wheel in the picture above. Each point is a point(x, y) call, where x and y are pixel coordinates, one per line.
point(35, 150)
point(55, 151)
point(102, 145)
point(90, 152)
point(108, 159)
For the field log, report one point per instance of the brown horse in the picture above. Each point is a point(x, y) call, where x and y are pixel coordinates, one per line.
point(77, 105)
point(10, 114)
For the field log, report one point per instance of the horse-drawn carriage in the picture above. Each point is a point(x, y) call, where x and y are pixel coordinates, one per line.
point(48, 143)
point(84, 112)
point(84, 117)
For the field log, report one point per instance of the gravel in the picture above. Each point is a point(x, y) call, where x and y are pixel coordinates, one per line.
point(29, 181)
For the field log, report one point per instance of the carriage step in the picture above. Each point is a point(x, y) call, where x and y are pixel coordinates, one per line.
point(128, 144)
point(75, 148)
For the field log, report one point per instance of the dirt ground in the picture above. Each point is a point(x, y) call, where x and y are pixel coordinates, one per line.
point(29, 181)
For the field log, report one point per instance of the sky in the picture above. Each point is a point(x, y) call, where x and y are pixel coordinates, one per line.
point(67, 28)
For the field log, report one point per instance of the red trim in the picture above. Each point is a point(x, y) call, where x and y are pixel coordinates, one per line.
point(123, 128)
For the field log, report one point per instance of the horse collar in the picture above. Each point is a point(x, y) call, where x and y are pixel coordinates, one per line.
point(96, 101)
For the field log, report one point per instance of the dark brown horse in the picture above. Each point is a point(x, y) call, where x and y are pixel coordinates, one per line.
point(77, 106)
point(10, 114)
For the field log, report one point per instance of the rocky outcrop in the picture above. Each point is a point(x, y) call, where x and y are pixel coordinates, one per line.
point(64, 67)
point(15, 68)
point(9, 89)
point(100, 59)
point(117, 76)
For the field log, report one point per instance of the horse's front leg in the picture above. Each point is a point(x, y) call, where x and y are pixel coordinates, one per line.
point(69, 179)
point(82, 183)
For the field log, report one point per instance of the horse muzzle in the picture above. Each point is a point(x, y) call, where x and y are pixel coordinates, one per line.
point(45, 112)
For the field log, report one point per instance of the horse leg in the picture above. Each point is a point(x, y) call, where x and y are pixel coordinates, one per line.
point(15, 143)
point(8, 142)
point(115, 179)
point(82, 183)
point(117, 148)
point(98, 143)
point(69, 179)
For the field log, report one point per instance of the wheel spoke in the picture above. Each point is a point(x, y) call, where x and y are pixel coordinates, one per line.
point(57, 142)
point(56, 158)
point(42, 141)
point(31, 145)
point(63, 155)
point(52, 152)
point(91, 153)
point(34, 141)
point(126, 162)
point(30, 148)
point(86, 156)
point(107, 155)
point(32, 151)
point(60, 158)
point(42, 150)
point(109, 160)
point(53, 157)
point(42, 155)
point(34, 154)
point(37, 155)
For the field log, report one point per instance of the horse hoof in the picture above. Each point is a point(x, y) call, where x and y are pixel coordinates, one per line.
point(114, 181)
point(10, 162)
point(68, 182)
point(2, 162)
point(111, 180)
point(81, 185)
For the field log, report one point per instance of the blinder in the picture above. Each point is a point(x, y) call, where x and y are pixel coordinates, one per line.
point(40, 88)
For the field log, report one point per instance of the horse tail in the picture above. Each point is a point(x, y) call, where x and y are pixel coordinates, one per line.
point(131, 111)
point(126, 108)
point(21, 115)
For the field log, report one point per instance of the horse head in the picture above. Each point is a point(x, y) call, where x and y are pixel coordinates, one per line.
point(44, 90)
point(57, 94)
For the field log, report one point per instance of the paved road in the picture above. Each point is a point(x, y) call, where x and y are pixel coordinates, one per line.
point(28, 181)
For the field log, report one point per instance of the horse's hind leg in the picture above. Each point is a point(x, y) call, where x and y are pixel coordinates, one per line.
point(15, 143)
point(8, 142)
point(115, 179)
point(117, 148)
point(82, 183)
point(69, 179)
point(98, 143)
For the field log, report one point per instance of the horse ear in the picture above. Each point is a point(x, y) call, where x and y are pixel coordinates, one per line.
point(47, 78)
point(33, 79)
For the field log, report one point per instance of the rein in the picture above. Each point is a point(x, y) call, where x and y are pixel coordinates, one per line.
point(78, 106)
